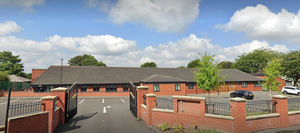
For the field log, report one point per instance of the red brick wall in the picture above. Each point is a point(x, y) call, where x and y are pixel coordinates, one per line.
point(260, 124)
point(294, 119)
point(143, 113)
point(56, 117)
point(103, 94)
point(29, 124)
point(36, 73)
point(167, 89)
point(27, 94)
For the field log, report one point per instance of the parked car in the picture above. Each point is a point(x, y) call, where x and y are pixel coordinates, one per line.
point(242, 94)
point(290, 90)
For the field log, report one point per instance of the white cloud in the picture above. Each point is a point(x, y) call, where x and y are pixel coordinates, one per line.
point(9, 27)
point(261, 23)
point(26, 4)
point(162, 15)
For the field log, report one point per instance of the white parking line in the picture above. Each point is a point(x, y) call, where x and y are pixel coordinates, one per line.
point(81, 101)
point(102, 100)
point(104, 110)
point(122, 100)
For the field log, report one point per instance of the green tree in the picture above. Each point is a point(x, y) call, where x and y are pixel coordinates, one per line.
point(85, 60)
point(11, 63)
point(3, 75)
point(291, 66)
point(225, 65)
point(181, 67)
point(149, 64)
point(207, 74)
point(194, 63)
point(272, 72)
point(256, 60)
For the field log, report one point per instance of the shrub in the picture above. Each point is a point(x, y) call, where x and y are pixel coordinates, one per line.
point(178, 129)
point(164, 126)
point(207, 131)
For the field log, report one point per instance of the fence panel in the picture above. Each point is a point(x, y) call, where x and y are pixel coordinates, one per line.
point(5, 85)
point(217, 108)
point(21, 108)
point(259, 107)
point(164, 103)
point(294, 104)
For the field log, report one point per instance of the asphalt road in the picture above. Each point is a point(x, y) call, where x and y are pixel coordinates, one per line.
point(108, 115)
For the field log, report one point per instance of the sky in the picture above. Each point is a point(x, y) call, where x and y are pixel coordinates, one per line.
point(131, 32)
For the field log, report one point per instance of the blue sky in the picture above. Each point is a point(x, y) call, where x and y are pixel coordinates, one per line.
point(130, 32)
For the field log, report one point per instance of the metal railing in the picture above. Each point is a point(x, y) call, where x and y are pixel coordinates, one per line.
point(145, 98)
point(259, 107)
point(21, 108)
point(164, 103)
point(294, 104)
point(217, 108)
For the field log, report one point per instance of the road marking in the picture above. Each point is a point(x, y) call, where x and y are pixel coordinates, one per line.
point(104, 110)
point(108, 107)
point(102, 100)
point(81, 101)
point(122, 100)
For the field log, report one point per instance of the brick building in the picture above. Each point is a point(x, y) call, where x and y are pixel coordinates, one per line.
point(115, 80)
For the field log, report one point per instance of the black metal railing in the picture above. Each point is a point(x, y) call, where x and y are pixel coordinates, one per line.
point(145, 98)
point(260, 107)
point(217, 108)
point(294, 104)
point(21, 108)
point(164, 103)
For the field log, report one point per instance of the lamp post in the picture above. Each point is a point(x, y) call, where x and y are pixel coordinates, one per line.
point(61, 67)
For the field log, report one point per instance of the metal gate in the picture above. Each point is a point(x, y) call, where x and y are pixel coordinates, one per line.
point(133, 99)
point(71, 102)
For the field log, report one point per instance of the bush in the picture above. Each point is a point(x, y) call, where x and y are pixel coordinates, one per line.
point(164, 126)
point(207, 131)
point(178, 129)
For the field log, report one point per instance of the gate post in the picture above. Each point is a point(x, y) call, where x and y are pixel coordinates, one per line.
point(281, 107)
point(238, 112)
point(48, 102)
point(151, 103)
point(141, 90)
point(62, 101)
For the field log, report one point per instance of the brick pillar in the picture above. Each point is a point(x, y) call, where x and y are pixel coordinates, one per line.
point(61, 93)
point(238, 112)
point(48, 102)
point(175, 104)
point(140, 90)
point(281, 104)
point(151, 103)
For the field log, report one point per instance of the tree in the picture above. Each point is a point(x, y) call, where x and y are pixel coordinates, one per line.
point(181, 67)
point(149, 64)
point(225, 65)
point(11, 63)
point(3, 75)
point(194, 63)
point(85, 60)
point(256, 60)
point(291, 66)
point(272, 72)
point(207, 74)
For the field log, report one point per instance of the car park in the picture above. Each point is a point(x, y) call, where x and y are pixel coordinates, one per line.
point(290, 90)
point(242, 94)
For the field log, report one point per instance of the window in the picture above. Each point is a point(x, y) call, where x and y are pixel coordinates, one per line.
point(288, 83)
point(83, 88)
point(191, 85)
point(111, 88)
point(177, 87)
point(96, 88)
point(257, 84)
point(155, 87)
point(125, 87)
point(244, 84)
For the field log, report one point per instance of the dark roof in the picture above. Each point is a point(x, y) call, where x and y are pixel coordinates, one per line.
point(107, 75)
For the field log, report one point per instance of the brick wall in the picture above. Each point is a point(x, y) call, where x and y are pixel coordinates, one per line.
point(36, 73)
point(167, 89)
point(26, 94)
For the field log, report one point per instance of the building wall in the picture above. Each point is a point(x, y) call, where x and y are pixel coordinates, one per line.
point(167, 89)
point(281, 81)
point(36, 73)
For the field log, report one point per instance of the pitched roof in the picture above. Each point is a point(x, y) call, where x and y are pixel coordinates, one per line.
point(237, 75)
point(107, 75)
point(15, 78)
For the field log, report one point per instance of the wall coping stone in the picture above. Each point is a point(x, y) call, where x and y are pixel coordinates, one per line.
point(163, 110)
point(59, 89)
point(237, 99)
point(27, 115)
point(279, 96)
point(293, 112)
point(144, 106)
point(220, 116)
point(142, 87)
point(188, 97)
point(49, 98)
point(150, 95)
point(262, 116)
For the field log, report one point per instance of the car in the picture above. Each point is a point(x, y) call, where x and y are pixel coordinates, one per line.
point(242, 94)
point(290, 90)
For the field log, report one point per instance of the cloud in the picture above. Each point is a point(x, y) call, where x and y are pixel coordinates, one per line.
point(9, 27)
point(261, 23)
point(26, 4)
point(162, 15)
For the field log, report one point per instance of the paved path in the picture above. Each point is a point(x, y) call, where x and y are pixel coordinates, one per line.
point(106, 116)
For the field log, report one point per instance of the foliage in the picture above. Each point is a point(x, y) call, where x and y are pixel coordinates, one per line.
point(207, 131)
point(272, 72)
point(194, 63)
point(207, 75)
point(178, 128)
point(291, 65)
point(3, 75)
point(85, 60)
point(256, 60)
point(149, 64)
point(11, 63)
point(225, 65)
point(195, 124)
point(164, 126)
point(181, 67)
